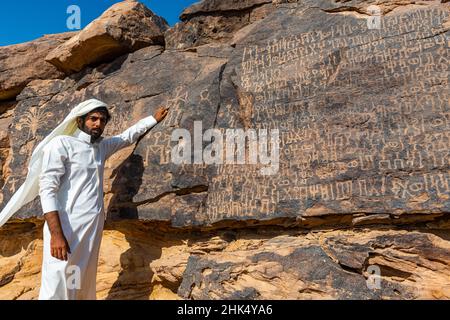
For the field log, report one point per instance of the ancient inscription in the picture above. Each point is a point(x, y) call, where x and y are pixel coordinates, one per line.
point(363, 115)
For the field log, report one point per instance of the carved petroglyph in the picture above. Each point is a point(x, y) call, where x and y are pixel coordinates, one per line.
point(32, 120)
point(11, 183)
point(340, 147)
point(118, 123)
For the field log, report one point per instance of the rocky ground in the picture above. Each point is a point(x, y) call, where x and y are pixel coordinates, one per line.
point(359, 96)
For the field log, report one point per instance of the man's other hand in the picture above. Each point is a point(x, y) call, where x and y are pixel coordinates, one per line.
point(161, 113)
point(59, 247)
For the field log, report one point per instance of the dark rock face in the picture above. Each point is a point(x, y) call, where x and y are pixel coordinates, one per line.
point(362, 114)
point(220, 7)
point(215, 22)
point(351, 114)
point(338, 265)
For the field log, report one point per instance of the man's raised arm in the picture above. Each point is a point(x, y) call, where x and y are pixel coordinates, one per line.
point(132, 134)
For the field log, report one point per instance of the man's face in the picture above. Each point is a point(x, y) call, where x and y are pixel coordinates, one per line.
point(94, 124)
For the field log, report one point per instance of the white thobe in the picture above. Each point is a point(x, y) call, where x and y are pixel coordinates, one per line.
point(71, 182)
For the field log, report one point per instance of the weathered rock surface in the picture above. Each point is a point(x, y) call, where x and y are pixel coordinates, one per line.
point(356, 110)
point(22, 63)
point(137, 262)
point(125, 27)
point(219, 7)
point(361, 105)
point(330, 265)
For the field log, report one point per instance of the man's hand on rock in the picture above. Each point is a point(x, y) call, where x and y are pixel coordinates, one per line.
point(161, 113)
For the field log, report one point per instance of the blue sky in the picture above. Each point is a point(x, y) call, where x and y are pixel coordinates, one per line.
point(25, 20)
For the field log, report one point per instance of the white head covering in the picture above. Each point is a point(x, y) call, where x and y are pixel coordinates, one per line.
point(30, 188)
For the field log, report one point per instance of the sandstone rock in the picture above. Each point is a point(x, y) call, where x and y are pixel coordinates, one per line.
point(361, 107)
point(125, 27)
point(6, 111)
point(22, 63)
point(330, 265)
point(362, 8)
point(139, 262)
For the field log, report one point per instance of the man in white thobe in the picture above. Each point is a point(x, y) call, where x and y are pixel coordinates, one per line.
point(71, 192)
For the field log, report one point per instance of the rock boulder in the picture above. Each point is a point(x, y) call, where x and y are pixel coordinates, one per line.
point(125, 27)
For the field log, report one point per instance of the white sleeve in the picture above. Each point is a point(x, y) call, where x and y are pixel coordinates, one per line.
point(128, 137)
point(52, 170)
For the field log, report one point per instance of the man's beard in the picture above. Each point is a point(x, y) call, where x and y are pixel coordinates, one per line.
point(95, 134)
